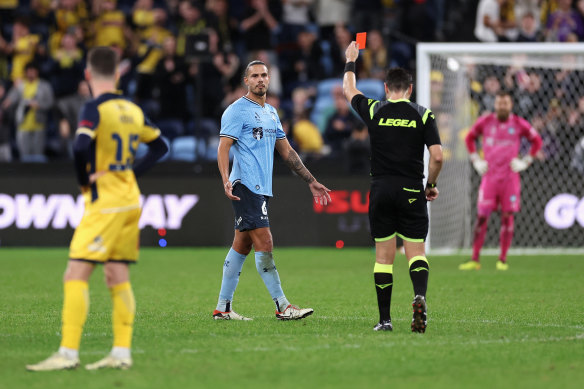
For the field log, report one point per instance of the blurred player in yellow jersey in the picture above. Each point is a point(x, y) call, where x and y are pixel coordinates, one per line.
point(110, 130)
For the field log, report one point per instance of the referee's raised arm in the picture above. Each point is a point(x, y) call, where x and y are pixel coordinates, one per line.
point(350, 78)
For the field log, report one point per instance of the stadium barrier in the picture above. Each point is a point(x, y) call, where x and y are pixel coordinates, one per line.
point(40, 205)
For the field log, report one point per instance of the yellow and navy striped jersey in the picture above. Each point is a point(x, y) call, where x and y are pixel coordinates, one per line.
point(116, 126)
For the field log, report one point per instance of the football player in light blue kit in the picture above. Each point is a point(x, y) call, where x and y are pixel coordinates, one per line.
point(252, 127)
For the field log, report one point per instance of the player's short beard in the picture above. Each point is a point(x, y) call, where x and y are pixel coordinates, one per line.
point(260, 93)
point(502, 116)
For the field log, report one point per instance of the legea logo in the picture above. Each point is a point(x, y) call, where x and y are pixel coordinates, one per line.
point(60, 211)
point(563, 210)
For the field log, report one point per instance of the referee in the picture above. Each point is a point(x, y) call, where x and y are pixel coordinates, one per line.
point(399, 129)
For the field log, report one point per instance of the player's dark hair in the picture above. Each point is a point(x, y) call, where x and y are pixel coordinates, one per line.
point(103, 61)
point(398, 79)
point(503, 93)
point(249, 65)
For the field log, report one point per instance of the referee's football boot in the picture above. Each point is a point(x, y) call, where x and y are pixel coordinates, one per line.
point(111, 362)
point(384, 325)
point(419, 317)
point(292, 312)
point(57, 361)
point(470, 265)
point(502, 265)
point(231, 315)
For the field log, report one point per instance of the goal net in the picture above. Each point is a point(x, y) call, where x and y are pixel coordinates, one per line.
point(459, 82)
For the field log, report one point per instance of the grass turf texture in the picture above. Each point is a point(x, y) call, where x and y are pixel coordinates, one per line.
point(520, 328)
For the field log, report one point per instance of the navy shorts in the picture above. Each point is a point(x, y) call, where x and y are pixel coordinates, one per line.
point(251, 211)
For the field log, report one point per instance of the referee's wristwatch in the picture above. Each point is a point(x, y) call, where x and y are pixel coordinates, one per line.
point(430, 185)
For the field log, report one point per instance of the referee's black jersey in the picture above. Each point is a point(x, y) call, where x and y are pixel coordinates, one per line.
point(398, 130)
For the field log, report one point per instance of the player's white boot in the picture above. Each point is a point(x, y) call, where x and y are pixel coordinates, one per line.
point(57, 361)
point(292, 312)
point(231, 315)
point(111, 362)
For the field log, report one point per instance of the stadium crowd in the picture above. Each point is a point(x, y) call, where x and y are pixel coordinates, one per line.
point(182, 62)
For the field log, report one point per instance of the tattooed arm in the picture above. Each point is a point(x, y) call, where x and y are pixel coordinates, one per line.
point(291, 158)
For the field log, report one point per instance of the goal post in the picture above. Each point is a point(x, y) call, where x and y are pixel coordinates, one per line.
point(458, 82)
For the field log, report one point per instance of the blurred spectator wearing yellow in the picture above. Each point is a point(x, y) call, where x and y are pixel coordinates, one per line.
point(109, 27)
point(304, 132)
point(69, 15)
point(23, 48)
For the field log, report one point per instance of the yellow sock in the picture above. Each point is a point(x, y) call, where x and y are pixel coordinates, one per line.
point(123, 314)
point(75, 307)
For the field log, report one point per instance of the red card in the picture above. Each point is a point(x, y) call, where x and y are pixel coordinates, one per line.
point(361, 40)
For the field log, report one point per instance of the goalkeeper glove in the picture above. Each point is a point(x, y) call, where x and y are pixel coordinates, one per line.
point(480, 165)
point(520, 164)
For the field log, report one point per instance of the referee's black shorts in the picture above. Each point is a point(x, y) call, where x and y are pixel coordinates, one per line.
point(397, 206)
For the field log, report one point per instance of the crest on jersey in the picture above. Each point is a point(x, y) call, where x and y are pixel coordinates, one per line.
point(511, 130)
point(258, 133)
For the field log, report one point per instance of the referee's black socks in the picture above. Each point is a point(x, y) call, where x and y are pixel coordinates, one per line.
point(383, 277)
point(419, 270)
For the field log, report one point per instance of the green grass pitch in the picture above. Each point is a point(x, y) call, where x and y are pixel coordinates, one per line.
point(522, 328)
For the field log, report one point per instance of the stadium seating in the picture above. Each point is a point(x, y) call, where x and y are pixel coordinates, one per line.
point(34, 158)
point(184, 148)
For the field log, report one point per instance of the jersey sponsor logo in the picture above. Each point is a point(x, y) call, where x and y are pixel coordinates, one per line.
point(97, 245)
point(59, 211)
point(258, 133)
point(397, 122)
point(411, 200)
point(257, 117)
point(564, 210)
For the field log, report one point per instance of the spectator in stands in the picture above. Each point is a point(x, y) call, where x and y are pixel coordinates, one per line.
point(528, 31)
point(564, 24)
point(67, 110)
point(358, 149)
point(33, 99)
point(295, 17)
point(260, 23)
point(366, 14)
point(171, 77)
point(69, 16)
point(341, 124)
point(329, 14)
point(23, 48)
point(193, 23)
point(495, 21)
point(531, 95)
point(304, 132)
point(109, 27)
point(375, 57)
point(491, 85)
point(5, 147)
point(343, 38)
point(225, 25)
point(66, 66)
point(304, 64)
point(152, 35)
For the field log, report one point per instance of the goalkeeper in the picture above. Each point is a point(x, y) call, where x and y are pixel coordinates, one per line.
point(500, 185)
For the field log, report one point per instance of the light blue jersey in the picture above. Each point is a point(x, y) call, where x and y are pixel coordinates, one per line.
point(255, 130)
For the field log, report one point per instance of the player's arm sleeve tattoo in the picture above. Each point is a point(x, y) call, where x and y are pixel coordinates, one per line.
point(295, 164)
